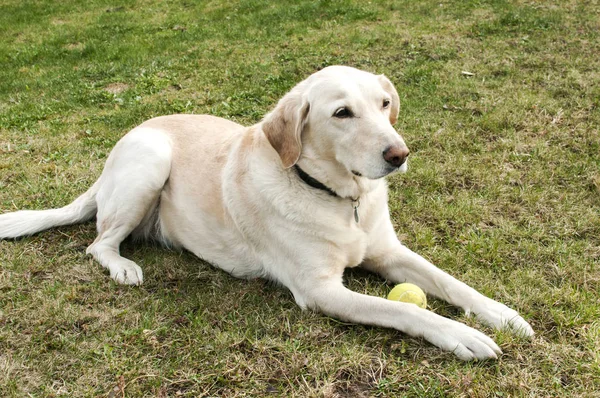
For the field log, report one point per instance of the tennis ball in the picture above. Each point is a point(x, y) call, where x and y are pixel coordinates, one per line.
point(408, 293)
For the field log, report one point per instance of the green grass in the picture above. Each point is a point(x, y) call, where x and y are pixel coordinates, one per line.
point(503, 192)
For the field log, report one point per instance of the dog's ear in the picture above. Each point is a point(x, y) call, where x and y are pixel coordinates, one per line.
point(283, 127)
point(391, 90)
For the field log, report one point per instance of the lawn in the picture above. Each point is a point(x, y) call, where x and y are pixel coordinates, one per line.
point(499, 106)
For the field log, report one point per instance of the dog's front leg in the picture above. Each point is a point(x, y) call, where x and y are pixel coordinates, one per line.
point(399, 264)
point(335, 300)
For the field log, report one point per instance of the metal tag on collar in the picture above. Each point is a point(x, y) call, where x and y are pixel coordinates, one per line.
point(355, 204)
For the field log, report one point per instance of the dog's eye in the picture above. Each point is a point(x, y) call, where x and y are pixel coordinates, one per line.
point(386, 103)
point(343, 113)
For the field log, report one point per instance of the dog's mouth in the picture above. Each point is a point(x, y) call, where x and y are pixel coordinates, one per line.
point(382, 174)
point(397, 169)
point(389, 169)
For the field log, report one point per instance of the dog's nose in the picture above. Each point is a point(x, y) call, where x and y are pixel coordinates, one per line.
point(396, 155)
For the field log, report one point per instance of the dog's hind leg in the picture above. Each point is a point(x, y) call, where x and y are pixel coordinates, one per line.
point(129, 188)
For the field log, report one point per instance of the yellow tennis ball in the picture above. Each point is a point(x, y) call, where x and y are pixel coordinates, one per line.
point(408, 293)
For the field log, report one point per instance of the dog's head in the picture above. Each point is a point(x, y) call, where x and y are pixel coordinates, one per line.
point(342, 115)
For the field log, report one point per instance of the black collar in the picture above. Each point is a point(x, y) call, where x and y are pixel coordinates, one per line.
point(319, 185)
point(313, 182)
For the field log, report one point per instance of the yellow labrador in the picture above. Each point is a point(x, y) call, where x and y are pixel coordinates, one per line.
point(295, 198)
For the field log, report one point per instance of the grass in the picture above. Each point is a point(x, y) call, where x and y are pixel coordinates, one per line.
point(503, 193)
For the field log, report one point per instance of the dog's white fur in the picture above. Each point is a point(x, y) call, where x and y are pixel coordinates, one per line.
point(228, 194)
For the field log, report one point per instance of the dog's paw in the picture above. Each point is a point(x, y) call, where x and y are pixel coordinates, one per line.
point(463, 341)
point(126, 272)
point(499, 316)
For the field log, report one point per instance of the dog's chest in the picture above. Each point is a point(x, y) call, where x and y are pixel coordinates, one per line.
point(356, 252)
point(350, 247)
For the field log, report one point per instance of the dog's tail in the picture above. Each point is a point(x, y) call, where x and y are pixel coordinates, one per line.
point(29, 222)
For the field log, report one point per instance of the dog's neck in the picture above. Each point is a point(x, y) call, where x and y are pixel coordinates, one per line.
point(335, 178)
point(313, 182)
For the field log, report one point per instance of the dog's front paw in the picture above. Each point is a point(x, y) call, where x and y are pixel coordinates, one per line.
point(463, 341)
point(499, 316)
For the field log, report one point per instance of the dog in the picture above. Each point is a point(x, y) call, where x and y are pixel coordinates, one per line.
point(296, 198)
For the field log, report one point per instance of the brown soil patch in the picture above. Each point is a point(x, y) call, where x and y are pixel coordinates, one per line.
point(116, 88)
